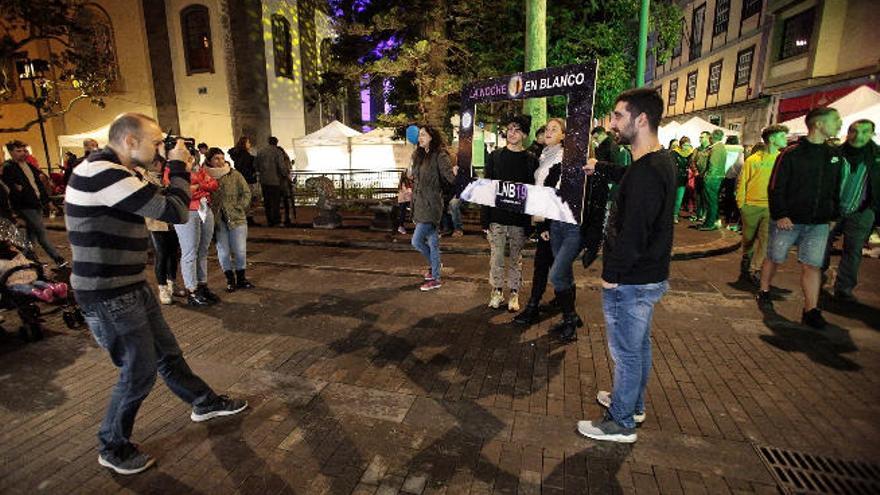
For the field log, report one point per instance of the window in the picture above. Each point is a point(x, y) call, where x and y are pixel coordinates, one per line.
point(796, 33)
point(744, 66)
point(750, 8)
point(195, 22)
point(673, 92)
point(722, 17)
point(691, 87)
point(676, 50)
point(697, 24)
point(281, 44)
point(714, 78)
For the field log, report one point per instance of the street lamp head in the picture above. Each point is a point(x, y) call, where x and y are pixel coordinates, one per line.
point(29, 69)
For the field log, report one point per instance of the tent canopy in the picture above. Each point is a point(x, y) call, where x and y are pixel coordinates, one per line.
point(379, 135)
point(333, 134)
point(76, 140)
point(692, 129)
point(860, 100)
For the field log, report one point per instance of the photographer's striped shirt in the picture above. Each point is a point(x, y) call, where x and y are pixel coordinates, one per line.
point(104, 208)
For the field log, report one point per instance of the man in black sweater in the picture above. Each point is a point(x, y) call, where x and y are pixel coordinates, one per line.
point(508, 165)
point(804, 197)
point(638, 249)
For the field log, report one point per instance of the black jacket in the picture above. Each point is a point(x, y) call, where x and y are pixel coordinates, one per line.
point(244, 163)
point(510, 166)
point(805, 185)
point(26, 198)
point(638, 243)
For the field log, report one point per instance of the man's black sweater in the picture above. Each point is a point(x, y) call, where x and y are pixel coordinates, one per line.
point(510, 166)
point(638, 244)
point(805, 185)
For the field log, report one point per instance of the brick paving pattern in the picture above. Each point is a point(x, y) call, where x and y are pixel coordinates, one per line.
point(359, 383)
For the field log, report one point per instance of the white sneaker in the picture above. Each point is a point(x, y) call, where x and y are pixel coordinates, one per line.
point(604, 400)
point(497, 299)
point(513, 302)
point(165, 294)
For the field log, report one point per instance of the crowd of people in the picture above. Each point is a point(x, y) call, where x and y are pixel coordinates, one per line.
point(781, 195)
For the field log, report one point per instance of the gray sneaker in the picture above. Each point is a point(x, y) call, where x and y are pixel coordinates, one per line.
point(223, 406)
point(604, 400)
point(607, 430)
point(129, 461)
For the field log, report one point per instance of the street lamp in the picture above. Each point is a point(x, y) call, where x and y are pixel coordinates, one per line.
point(31, 70)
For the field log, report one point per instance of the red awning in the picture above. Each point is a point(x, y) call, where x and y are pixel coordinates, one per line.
point(791, 108)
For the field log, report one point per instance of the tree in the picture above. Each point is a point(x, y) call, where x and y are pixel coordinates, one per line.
point(77, 61)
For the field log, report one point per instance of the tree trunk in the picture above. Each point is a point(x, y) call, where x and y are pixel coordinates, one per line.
point(435, 100)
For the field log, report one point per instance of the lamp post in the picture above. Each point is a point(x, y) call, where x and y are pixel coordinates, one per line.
point(643, 43)
point(31, 70)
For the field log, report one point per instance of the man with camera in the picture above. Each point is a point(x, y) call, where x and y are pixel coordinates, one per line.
point(105, 207)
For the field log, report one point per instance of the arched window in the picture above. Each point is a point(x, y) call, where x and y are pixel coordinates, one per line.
point(195, 24)
point(95, 41)
point(282, 44)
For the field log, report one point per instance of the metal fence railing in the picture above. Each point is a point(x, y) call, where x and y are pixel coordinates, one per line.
point(354, 184)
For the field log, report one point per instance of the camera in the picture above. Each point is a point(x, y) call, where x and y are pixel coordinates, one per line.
point(171, 142)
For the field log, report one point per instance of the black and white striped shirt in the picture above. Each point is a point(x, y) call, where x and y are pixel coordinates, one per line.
point(104, 208)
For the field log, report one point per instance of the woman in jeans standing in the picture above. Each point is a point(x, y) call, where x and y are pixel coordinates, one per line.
point(195, 237)
point(163, 235)
point(230, 204)
point(431, 165)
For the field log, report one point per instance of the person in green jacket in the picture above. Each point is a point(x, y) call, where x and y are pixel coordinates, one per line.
point(682, 154)
point(715, 171)
point(699, 164)
point(230, 203)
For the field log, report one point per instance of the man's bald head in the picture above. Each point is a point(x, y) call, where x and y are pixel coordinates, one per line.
point(129, 124)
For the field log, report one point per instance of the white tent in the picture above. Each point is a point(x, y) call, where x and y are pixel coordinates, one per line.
point(378, 150)
point(858, 100)
point(668, 132)
point(326, 150)
point(693, 127)
point(76, 140)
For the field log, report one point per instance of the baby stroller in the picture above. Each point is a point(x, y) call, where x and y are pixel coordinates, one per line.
point(26, 305)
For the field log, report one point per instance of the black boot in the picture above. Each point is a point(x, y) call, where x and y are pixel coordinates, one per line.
point(744, 266)
point(206, 293)
point(230, 280)
point(196, 298)
point(529, 315)
point(566, 330)
point(243, 282)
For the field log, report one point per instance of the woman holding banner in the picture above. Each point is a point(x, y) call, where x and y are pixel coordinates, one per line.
point(431, 166)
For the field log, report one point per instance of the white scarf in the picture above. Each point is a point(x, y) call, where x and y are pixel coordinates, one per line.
point(217, 172)
point(551, 155)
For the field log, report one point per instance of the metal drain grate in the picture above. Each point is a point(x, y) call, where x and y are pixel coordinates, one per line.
point(801, 473)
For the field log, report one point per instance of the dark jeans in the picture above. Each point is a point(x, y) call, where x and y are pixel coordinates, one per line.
point(167, 254)
point(855, 228)
point(287, 203)
point(36, 231)
point(565, 238)
point(402, 210)
point(132, 330)
point(541, 272)
point(729, 210)
point(272, 204)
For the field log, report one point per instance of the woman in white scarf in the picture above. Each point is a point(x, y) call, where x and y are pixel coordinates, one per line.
point(230, 203)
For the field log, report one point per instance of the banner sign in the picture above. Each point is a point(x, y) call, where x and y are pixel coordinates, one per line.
point(578, 82)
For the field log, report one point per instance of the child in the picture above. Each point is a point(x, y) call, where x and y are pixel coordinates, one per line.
point(404, 199)
point(25, 281)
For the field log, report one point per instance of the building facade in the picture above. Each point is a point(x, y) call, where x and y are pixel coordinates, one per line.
point(210, 69)
point(743, 64)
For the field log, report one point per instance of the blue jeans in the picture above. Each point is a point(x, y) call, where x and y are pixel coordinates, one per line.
point(130, 327)
point(427, 242)
point(810, 239)
point(455, 212)
point(36, 232)
point(195, 237)
point(565, 240)
point(628, 311)
point(231, 244)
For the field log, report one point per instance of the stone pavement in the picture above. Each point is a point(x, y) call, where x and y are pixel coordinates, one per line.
point(359, 383)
